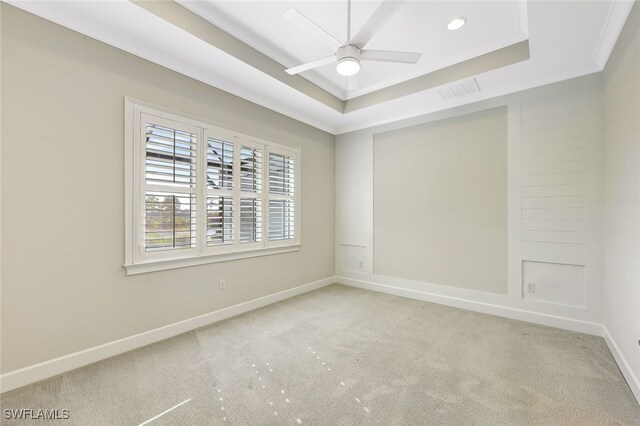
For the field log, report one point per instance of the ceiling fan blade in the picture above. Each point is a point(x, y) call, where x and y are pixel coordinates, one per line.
point(312, 28)
point(352, 82)
point(311, 65)
point(375, 22)
point(390, 56)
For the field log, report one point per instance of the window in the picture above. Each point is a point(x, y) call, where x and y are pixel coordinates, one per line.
point(197, 193)
point(281, 197)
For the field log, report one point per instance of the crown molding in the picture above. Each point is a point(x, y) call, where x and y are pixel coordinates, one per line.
point(612, 27)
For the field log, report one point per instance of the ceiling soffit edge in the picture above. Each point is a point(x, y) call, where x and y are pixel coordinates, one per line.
point(499, 58)
point(181, 17)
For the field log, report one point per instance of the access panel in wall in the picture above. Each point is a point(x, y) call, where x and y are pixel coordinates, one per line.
point(556, 283)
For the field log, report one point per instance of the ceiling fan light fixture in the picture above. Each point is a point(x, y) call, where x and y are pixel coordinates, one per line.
point(347, 56)
point(456, 23)
point(348, 66)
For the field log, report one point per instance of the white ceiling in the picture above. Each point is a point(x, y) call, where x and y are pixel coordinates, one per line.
point(566, 39)
point(418, 26)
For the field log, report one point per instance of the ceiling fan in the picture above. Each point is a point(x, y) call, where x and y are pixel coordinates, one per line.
point(348, 55)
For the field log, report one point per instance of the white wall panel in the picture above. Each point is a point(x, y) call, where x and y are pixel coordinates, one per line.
point(622, 200)
point(555, 173)
point(440, 201)
point(556, 283)
point(354, 204)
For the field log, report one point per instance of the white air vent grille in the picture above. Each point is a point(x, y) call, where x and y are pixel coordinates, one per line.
point(460, 88)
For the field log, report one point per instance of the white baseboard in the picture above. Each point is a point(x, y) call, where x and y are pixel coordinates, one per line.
point(628, 374)
point(44, 370)
point(478, 306)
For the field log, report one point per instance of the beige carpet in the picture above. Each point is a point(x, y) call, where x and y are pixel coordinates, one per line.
point(344, 356)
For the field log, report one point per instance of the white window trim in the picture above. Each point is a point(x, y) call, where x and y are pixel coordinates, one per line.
point(136, 262)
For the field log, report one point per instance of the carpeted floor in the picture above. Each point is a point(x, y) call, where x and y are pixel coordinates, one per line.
point(344, 356)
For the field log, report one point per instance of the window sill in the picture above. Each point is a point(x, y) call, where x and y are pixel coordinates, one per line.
point(163, 265)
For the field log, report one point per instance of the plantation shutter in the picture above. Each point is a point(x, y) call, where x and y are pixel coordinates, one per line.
point(197, 193)
point(250, 194)
point(220, 197)
point(170, 188)
point(281, 197)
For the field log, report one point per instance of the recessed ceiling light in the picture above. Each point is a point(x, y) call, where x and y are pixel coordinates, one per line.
point(348, 66)
point(456, 23)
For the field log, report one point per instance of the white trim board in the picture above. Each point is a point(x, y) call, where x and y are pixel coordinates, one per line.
point(44, 370)
point(549, 320)
point(617, 15)
point(631, 378)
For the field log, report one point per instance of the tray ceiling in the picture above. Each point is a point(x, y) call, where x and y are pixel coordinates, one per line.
point(418, 26)
point(243, 47)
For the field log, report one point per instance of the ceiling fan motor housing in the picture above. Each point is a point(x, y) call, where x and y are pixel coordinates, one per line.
point(348, 52)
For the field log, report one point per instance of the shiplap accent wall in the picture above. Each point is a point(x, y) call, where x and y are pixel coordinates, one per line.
point(561, 166)
point(554, 168)
point(554, 208)
point(354, 169)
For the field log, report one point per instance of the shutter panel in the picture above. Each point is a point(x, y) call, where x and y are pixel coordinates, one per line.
point(219, 220)
point(220, 200)
point(250, 183)
point(250, 220)
point(170, 157)
point(250, 169)
point(281, 175)
point(281, 220)
point(170, 221)
point(170, 163)
point(219, 164)
point(281, 197)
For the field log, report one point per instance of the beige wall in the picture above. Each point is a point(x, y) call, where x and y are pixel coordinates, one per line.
point(440, 202)
point(622, 194)
point(63, 285)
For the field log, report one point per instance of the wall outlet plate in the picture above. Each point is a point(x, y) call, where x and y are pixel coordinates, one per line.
point(531, 287)
point(223, 284)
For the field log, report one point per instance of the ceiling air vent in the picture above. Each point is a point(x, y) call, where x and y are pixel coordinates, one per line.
point(460, 88)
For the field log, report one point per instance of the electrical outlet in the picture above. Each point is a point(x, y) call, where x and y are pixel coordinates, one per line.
point(223, 284)
point(361, 264)
point(531, 287)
